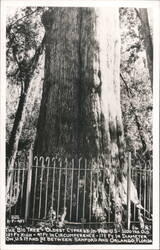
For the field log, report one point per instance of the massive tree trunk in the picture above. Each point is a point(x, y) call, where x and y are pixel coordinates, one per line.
point(80, 114)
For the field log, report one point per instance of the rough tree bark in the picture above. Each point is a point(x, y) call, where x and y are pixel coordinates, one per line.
point(80, 114)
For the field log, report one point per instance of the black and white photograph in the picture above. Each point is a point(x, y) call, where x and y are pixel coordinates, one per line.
point(79, 151)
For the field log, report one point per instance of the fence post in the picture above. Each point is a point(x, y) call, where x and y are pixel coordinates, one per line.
point(128, 191)
point(29, 178)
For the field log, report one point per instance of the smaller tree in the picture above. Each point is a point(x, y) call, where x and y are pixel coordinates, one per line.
point(136, 92)
point(26, 64)
point(145, 33)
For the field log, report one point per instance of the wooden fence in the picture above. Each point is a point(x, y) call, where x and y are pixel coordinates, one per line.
point(47, 179)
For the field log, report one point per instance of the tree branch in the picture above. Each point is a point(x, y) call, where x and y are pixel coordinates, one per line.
point(8, 29)
point(137, 12)
point(140, 129)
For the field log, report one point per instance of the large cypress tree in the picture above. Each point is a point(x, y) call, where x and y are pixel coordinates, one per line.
point(80, 114)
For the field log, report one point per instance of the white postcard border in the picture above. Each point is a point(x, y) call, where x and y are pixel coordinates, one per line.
point(83, 3)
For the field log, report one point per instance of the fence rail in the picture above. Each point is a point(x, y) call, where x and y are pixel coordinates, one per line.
point(68, 186)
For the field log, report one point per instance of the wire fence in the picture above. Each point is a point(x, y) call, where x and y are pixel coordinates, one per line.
point(74, 187)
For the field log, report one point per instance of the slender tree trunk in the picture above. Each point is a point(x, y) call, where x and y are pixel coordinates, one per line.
point(18, 118)
point(80, 114)
point(20, 115)
point(15, 136)
point(146, 35)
